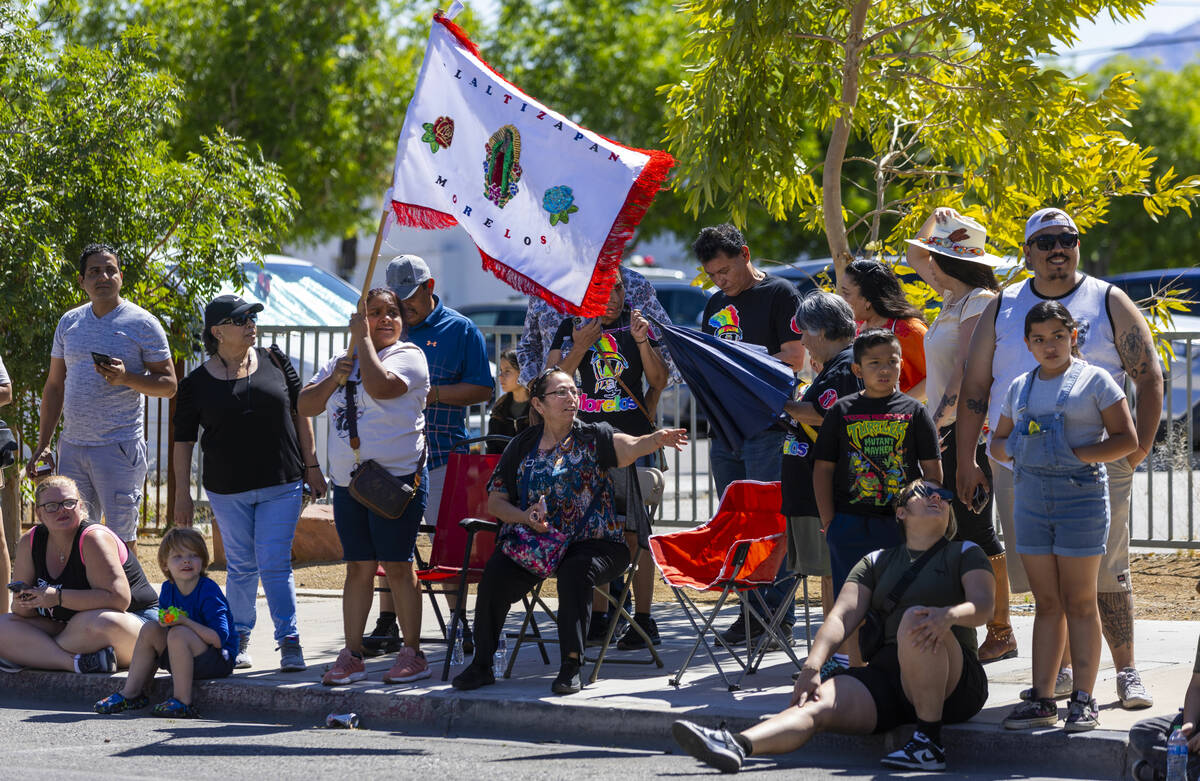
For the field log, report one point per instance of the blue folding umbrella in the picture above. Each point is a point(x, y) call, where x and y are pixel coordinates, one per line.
point(741, 389)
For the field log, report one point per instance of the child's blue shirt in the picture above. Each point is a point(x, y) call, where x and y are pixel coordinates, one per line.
point(206, 605)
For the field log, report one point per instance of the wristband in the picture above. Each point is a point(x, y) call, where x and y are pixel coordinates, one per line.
point(641, 342)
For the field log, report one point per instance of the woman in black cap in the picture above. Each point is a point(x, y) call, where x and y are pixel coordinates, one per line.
point(257, 454)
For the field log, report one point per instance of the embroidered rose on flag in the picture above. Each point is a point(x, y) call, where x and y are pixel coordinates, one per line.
point(438, 133)
point(560, 202)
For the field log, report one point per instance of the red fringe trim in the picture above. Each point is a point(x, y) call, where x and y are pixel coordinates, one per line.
point(638, 200)
point(423, 217)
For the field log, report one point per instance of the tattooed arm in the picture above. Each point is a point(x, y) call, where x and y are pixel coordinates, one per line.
point(1140, 362)
point(949, 401)
point(973, 396)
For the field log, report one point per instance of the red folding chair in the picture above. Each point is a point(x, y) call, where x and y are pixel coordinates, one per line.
point(463, 539)
point(740, 549)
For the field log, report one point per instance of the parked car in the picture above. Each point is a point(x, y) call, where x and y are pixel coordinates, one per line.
point(683, 302)
point(1142, 285)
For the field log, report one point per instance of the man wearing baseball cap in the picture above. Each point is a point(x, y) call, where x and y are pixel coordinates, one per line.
point(459, 376)
point(1113, 335)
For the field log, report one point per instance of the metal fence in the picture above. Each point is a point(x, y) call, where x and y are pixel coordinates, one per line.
point(1164, 502)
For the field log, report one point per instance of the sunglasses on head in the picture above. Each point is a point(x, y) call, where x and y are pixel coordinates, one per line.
point(923, 490)
point(1064, 240)
point(240, 320)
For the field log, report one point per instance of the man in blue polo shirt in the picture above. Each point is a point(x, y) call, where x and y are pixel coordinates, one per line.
point(459, 376)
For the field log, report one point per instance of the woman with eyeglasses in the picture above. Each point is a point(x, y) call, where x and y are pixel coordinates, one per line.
point(79, 598)
point(553, 476)
point(925, 670)
point(950, 253)
point(258, 453)
point(873, 291)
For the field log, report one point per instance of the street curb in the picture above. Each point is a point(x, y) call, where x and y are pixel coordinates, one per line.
point(1098, 754)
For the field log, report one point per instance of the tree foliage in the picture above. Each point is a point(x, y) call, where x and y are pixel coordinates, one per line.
point(320, 88)
point(948, 97)
point(82, 159)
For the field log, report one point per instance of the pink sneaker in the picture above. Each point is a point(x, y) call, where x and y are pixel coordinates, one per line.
point(410, 666)
point(347, 669)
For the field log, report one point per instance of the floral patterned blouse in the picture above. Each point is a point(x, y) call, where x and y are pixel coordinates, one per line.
point(574, 478)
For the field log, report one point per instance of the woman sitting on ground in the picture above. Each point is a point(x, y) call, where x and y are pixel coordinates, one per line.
point(554, 474)
point(84, 598)
point(926, 670)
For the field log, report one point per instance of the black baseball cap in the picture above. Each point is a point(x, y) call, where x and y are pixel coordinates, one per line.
point(225, 307)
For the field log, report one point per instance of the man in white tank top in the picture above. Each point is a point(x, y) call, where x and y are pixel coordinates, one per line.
point(1113, 335)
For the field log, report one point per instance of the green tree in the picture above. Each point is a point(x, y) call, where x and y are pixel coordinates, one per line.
point(948, 97)
point(603, 62)
point(82, 159)
point(320, 88)
point(1168, 121)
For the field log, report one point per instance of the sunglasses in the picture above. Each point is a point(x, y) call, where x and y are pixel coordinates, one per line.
point(53, 507)
point(562, 393)
point(923, 490)
point(1046, 243)
point(240, 320)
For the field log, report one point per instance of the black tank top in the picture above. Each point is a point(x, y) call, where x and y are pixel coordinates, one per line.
point(74, 575)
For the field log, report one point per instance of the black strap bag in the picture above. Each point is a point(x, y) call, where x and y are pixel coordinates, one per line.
point(873, 630)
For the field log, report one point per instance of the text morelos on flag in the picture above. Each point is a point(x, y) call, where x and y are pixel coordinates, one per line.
point(550, 204)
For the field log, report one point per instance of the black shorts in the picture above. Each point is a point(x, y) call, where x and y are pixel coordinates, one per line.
point(210, 664)
point(881, 676)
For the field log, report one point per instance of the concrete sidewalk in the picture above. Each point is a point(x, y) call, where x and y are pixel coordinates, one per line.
point(634, 704)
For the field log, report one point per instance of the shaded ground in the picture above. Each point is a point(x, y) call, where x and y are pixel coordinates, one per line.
point(1164, 583)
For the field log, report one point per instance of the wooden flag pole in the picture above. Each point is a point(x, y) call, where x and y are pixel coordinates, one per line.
point(362, 299)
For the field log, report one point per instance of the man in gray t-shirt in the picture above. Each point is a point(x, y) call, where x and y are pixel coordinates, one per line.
point(107, 354)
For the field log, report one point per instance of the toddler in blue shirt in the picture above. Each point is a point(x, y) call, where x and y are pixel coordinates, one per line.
point(193, 638)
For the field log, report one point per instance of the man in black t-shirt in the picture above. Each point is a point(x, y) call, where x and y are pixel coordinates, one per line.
point(611, 355)
point(870, 446)
point(752, 307)
point(826, 323)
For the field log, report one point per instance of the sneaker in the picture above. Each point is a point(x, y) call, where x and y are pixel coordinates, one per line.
point(714, 747)
point(118, 703)
point(473, 677)
point(597, 629)
point(1034, 713)
point(242, 660)
point(174, 709)
point(291, 655)
point(1131, 691)
point(786, 634)
point(384, 638)
point(632, 641)
point(410, 666)
point(348, 668)
point(102, 661)
point(9, 667)
point(1082, 714)
point(1064, 684)
point(568, 680)
point(921, 752)
point(735, 634)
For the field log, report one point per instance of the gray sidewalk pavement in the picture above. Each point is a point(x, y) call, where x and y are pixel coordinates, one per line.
point(634, 704)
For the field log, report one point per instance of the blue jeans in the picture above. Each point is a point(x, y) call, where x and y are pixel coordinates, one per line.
point(850, 537)
point(257, 528)
point(761, 458)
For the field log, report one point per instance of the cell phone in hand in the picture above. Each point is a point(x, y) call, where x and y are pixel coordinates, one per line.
point(100, 359)
point(42, 470)
point(17, 586)
point(979, 499)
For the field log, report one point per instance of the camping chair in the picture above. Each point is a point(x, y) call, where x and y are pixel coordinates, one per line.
point(740, 549)
point(643, 490)
point(463, 540)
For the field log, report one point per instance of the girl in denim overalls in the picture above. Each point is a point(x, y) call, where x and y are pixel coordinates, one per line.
point(1060, 423)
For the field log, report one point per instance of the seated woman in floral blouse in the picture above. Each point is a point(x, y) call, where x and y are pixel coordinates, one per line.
point(554, 475)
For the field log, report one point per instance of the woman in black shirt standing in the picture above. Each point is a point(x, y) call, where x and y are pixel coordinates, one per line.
point(257, 454)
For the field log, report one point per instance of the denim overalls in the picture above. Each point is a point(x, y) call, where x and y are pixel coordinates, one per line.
point(1060, 504)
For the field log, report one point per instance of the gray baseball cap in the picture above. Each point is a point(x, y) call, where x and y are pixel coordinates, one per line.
point(406, 273)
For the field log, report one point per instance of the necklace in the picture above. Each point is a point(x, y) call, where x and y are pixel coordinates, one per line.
point(233, 386)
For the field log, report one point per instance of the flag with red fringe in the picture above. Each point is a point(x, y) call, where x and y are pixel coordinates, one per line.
point(550, 204)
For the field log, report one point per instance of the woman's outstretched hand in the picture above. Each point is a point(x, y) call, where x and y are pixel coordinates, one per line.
point(671, 437)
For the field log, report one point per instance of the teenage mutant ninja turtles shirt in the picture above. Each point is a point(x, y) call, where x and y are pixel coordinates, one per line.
point(601, 398)
point(761, 314)
point(876, 444)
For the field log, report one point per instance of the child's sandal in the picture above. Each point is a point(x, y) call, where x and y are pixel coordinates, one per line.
point(174, 709)
point(117, 703)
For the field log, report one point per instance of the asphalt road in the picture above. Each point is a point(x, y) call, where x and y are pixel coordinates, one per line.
point(69, 742)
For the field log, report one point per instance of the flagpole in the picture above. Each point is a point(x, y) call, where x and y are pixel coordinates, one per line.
point(362, 299)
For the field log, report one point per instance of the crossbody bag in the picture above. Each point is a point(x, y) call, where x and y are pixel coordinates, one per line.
point(371, 484)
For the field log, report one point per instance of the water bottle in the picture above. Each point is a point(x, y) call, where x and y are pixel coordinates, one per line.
point(499, 659)
point(456, 655)
point(1177, 757)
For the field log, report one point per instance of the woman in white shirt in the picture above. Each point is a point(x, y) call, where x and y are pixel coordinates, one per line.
point(950, 254)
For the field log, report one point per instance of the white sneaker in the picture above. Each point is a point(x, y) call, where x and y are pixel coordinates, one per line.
point(715, 747)
point(1131, 691)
